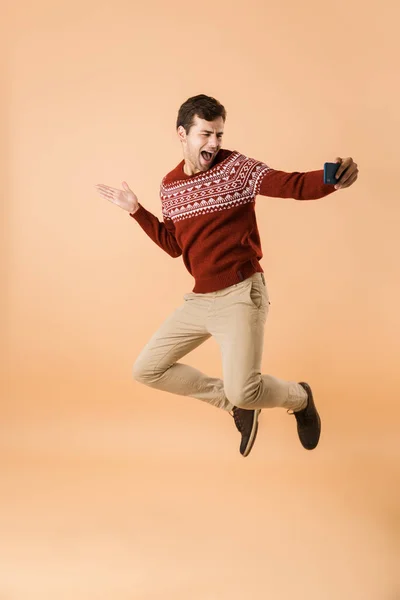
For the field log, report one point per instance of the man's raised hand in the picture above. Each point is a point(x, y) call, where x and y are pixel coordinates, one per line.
point(124, 198)
point(347, 172)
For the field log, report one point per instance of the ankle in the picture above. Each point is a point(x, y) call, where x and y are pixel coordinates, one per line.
point(303, 401)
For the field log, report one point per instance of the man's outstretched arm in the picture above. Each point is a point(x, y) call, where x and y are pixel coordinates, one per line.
point(309, 185)
point(162, 233)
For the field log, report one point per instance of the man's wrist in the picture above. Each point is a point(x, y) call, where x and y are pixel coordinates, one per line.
point(135, 210)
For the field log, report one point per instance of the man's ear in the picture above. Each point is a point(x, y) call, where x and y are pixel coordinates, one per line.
point(181, 133)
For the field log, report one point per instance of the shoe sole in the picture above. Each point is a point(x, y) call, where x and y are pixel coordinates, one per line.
point(253, 433)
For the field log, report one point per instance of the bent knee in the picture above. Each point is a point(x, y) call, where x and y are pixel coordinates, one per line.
point(139, 372)
point(241, 402)
point(237, 399)
point(145, 373)
point(240, 398)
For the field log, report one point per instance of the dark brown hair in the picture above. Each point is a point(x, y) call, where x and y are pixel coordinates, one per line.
point(205, 107)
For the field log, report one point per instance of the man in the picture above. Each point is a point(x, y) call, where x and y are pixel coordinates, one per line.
point(208, 208)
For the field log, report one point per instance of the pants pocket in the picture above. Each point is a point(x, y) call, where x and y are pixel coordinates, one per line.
point(258, 293)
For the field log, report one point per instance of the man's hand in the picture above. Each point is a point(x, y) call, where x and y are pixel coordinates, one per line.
point(347, 173)
point(124, 198)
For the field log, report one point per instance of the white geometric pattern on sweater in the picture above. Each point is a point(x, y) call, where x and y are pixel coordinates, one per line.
point(234, 181)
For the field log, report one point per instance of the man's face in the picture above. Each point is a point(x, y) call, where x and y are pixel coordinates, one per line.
point(201, 144)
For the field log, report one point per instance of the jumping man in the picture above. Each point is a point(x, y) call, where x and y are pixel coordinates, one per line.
point(208, 209)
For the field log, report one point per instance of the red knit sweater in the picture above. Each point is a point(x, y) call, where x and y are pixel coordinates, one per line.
point(209, 218)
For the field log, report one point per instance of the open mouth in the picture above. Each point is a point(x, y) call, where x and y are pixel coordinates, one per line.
point(207, 156)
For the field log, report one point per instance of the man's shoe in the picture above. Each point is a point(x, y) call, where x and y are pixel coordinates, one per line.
point(308, 421)
point(246, 422)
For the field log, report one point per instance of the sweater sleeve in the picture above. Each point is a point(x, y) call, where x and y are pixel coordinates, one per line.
point(299, 186)
point(162, 233)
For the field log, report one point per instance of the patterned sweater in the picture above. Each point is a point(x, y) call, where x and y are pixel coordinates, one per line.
point(209, 218)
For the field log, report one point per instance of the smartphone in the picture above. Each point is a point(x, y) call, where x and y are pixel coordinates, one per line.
point(330, 172)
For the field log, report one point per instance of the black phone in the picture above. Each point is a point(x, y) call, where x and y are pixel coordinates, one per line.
point(330, 170)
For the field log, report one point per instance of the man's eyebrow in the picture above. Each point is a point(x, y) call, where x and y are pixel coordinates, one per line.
point(207, 131)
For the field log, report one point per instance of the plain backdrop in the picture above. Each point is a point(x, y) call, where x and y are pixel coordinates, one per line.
point(109, 489)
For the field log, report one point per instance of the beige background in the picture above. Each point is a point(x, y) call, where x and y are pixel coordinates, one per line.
point(110, 489)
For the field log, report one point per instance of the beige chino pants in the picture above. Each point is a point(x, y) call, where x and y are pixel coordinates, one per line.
point(235, 317)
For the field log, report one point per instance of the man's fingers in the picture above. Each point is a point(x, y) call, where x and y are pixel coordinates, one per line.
point(348, 183)
point(107, 188)
point(345, 176)
point(105, 191)
point(338, 160)
point(344, 163)
point(108, 192)
point(108, 195)
point(349, 168)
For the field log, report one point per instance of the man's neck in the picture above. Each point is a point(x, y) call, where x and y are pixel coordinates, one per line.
point(189, 170)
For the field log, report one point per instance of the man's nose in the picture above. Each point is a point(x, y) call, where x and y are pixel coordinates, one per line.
point(214, 143)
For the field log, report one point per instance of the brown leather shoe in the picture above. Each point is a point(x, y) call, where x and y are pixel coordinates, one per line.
point(308, 421)
point(246, 422)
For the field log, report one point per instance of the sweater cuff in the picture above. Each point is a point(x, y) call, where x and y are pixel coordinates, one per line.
point(326, 188)
point(139, 213)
